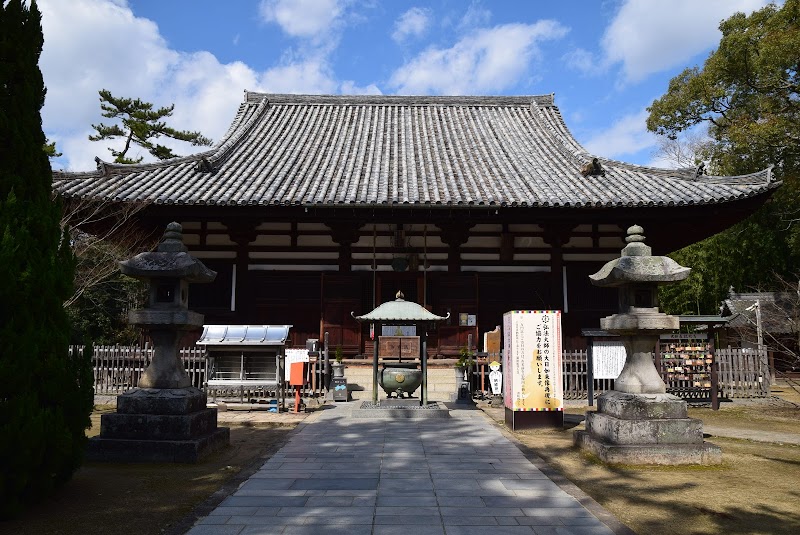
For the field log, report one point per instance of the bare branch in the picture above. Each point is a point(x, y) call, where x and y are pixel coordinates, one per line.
point(780, 322)
point(103, 232)
point(686, 151)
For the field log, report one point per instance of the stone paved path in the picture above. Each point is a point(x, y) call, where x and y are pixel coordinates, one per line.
point(343, 475)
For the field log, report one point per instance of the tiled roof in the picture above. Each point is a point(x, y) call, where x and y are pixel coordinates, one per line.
point(398, 150)
point(777, 310)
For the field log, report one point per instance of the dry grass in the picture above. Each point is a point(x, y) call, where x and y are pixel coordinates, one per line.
point(754, 491)
point(146, 499)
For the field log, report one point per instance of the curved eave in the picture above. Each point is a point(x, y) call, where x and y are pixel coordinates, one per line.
point(141, 197)
point(436, 152)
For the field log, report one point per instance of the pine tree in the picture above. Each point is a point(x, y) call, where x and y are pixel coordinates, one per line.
point(45, 392)
point(140, 124)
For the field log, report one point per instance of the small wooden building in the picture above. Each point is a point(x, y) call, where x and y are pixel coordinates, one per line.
point(311, 207)
point(772, 317)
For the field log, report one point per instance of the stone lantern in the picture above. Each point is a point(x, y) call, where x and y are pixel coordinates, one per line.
point(164, 418)
point(638, 422)
point(168, 272)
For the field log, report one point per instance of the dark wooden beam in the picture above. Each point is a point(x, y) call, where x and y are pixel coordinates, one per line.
point(345, 233)
point(454, 235)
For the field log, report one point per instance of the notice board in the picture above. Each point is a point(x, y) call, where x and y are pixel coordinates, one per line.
point(608, 359)
point(294, 355)
point(532, 362)
point(339, 388)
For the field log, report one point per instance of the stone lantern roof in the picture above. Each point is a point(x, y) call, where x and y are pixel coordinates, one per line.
point(637, 265)
point(170, 260)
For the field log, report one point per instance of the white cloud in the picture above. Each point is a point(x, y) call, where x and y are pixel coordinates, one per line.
point(301, 18)
point(349, 87)
point(413, 23)
point(487, 60)
point(99, 44)
point(649, 37)
point(475, 17)
point(91, 45)
point(582, 61)
point(312, 76)
point(625, 136)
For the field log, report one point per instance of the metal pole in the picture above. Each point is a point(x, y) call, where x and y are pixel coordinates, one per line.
point(281, 356)
point(762, 355)
point(327, 362)
point(424, 356)
point(469, 368)
point(590, 372)
point(375, 364)
point(758, 326)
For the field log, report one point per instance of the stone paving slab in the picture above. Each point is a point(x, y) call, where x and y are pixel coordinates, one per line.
point(453, 476)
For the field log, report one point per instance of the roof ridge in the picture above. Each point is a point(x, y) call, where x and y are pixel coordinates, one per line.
point(235, 134)
point(105, 168)
point(403, 100)
point(562, 144)
point(210, 158)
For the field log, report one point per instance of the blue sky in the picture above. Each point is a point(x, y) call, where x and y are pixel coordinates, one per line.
point(605, 60)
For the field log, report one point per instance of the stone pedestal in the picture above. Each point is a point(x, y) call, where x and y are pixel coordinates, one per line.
point(159, 425)
point(633, 428)
point(463, 393)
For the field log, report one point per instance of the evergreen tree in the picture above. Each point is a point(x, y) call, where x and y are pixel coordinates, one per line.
point(746, 94)
point(45, 392)
point(139, 124)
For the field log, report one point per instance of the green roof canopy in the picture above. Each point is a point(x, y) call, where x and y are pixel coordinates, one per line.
point(399, 311)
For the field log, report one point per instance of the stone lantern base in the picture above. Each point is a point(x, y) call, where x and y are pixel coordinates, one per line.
point(645, 429)
point(159, 425)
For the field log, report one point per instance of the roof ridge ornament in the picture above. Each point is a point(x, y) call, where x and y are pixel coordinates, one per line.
point(205, 166)
point(700, 170)
point(101, 166)
point(593, 168)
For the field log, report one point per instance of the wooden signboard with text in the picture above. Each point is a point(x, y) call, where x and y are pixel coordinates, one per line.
point(533, 390)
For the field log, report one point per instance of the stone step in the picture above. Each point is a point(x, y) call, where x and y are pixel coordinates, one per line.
point(157, 451)
point(158, 426)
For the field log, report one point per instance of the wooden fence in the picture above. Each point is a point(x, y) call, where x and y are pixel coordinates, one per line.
point(574, 374)
point(742, 373)
point(118, 368)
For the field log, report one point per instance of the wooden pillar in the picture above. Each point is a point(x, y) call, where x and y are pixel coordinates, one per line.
point(345, 233)
point(712, 350)
point(556, 237)
point(242, 233)
point(454, 235)
point(506, 245)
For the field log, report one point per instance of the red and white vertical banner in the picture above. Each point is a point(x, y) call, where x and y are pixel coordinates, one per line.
point(532, 376)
